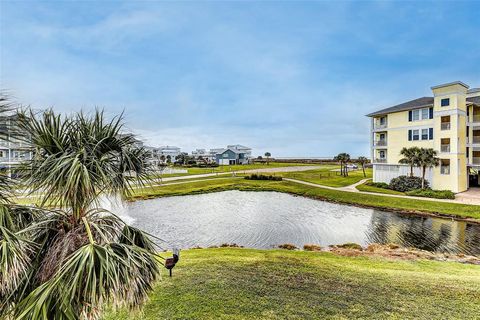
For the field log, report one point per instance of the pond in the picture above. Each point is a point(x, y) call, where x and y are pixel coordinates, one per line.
point(267, 219)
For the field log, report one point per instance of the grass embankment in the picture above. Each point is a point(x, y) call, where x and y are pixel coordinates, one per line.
point(376, 201)
point(326, 177)
point(367, 188)
point(277, 284)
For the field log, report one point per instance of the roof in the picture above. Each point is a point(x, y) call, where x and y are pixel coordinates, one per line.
point(450, 84)
point(474, 100)
point(409, 105)
point(225, 150)
point(237, 146)
point(473, 90)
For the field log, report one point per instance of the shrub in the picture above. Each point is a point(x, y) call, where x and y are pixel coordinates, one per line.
point(350, 245)
point(312, 247)
point(429, 193)
point(263, 177)
point(382, 185)
point(406, 183)
point(288, 246)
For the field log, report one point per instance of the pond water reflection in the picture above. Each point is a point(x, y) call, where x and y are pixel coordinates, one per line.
point(266, 219)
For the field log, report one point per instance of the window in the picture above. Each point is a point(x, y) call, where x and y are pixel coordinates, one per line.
point(424, 134)
point(420, 114)
point(425, 113)
point(225, 155)
point(381, 154)
point(415, 115)
point(445, 166)
point(415, 135)
point(445, 102)
point(383, 121)
point(2, 154)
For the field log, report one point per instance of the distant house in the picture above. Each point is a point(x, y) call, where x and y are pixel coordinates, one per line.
point(233, 154)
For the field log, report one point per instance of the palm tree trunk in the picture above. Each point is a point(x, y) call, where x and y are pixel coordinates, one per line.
point(363, 169)
point(424, 168)
point(411, 171)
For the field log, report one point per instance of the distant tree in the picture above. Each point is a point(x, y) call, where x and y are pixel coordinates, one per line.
point(343, 159)
point(268, 155)
point(410, 157)
point(162, 158)
point(427, 158)
point(362, 161)
point(169, 159)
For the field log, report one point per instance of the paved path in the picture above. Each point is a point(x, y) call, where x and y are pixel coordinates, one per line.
point(351, 188)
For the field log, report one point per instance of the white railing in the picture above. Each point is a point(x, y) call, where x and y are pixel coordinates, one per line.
point(445, 148)
point(381, 160)
point(476, 139)
point(476, 160)
point(445, 126)
point(380, 143)
point(475, 118)
point(380, 126)
point(445, 169)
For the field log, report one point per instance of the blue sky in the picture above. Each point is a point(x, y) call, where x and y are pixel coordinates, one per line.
point(292, 78)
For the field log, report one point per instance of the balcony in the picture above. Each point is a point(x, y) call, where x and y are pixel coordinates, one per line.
point(380, 143)
point(445, 126)
point(475, 118)
point(475, 139)
point(445, 148)
point(475, 160)
point(377, 126)
point(381, 160)
point(445, 169)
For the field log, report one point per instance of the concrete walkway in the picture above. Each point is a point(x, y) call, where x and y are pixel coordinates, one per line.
point(352, 188)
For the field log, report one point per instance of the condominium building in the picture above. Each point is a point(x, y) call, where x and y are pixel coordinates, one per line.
point(14, 148)
point(448, 121)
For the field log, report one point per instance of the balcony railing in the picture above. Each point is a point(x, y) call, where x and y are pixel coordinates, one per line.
point(381, 160)
point(475, 118)
point(476, 160)
point(445, 126)
point(380, 125)
point(445, 148)
point(476, 139)
point(380, 143)
point(445, 169)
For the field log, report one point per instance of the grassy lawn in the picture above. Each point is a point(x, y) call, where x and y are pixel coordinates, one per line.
point(377, 201)
point(364, 187)
point(276, 284)
point(327, 177)
point(237, 167)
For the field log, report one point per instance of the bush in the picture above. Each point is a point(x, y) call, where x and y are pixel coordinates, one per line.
point(406, 183)
point(382, 185)
point(429, 193)
point(288, 246)
point(312, 247)
point(263, 177)
point(350, 245)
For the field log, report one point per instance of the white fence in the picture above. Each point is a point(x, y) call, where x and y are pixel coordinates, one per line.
point(386, 172)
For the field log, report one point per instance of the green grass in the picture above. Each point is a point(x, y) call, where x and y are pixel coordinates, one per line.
point(231, 283)
point(367, 188)
point(237, 167)
point(325, 176)
point(376, 201)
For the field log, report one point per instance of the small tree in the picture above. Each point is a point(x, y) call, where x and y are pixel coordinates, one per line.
point(427, 158)
point(169, 159)
point(268, 155)
point(362, 161)
point(162, 158)
point(410, 157)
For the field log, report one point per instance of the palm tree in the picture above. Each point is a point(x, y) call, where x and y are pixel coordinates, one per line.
point(410, 157)
point(343, 158)
point(362, 161)
point(427, 158)
point(268, 155)
point(68, 263)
